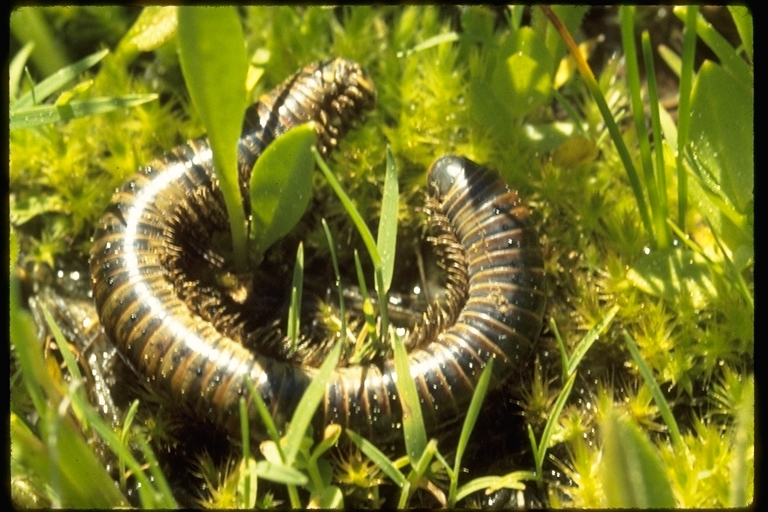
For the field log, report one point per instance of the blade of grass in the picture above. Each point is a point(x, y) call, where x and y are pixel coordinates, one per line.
point(660, 209)
point(16, 71)
point(377, 457)
point(725, 53)
point(413, 422)
point(29, 117)
point(684, 111)
point(387, 236)
point(549, 428)
point(561, 348)
point(368, 312)
point(30, 24)
point(742, 18)
point(658, 396)
point(466, 429)
point(337, 274)
point(294, 311)
point(75, 459)
point(510, 481)
point(118, 447)
point(744, 426)
point(59, 79)
point(264, 467)
point(448, 37)
point(589, 79)
point(349, 206)
point(245, 437)
point(627, 16)
point(366, 235)
point(589, 339)
point(308, 404)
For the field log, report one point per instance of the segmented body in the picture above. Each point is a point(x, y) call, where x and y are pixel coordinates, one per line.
point(140, 299)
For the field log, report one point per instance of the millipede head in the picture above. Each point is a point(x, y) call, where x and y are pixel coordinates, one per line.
point(445, 171)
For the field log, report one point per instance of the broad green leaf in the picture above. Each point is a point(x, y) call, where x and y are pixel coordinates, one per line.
point(214, 64)
point(511, 481)
point(722, 132)
point(29, 117)
point(329, 498)
point(155, 26)
point(726, 53)
point(521, 83)
point(387, 237)
point(632, 472)
point(282, 474)
point(281, 186)
point(527, 42)
point(672, 274)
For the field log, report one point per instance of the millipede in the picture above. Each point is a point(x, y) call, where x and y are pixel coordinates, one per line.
point(185, 344)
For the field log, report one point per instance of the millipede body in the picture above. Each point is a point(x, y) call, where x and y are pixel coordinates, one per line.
point(493, 260)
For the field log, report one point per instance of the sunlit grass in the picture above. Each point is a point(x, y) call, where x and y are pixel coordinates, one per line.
point(664, 249)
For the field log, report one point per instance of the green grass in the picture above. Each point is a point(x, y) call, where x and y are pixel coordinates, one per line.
point(646, 221)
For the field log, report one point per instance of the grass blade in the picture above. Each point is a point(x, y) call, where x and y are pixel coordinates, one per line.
point(294, 311)
point(59, 79)
point(16, 70)
point(659, 209)
point(308, 404)
point(684, 111)
point(466, 429)
point(349, 206)
point(589, 79)
point(413, 421)
point(658, 396)
point(29, 117)
point(387, 237)
point(589, 339)
point(339, 287)
point(377, 457)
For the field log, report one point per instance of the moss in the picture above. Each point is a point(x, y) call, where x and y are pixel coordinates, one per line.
point(432, 101)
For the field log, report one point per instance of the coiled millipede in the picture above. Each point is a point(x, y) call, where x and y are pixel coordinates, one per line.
point(490, 250)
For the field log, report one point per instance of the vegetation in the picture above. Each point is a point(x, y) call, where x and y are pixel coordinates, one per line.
point(642, 393)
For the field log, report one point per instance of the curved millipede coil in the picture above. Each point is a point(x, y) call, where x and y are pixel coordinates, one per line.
point(176, 332)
